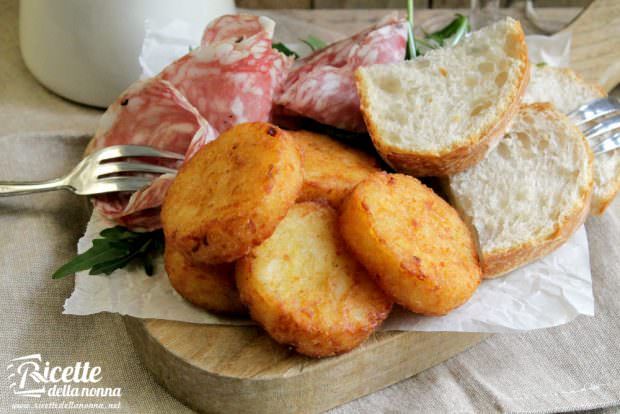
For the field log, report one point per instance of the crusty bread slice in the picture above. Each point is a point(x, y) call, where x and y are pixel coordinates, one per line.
point(530, 193)
point(567, 91)
point(439, 114)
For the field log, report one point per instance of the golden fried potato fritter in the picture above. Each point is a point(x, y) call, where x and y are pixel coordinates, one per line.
point(306, 290)
point(232, 194)
point(331, 169)
point(412, 241)
point(211, 287)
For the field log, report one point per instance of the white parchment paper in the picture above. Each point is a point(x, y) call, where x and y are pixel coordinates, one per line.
point(549, 292)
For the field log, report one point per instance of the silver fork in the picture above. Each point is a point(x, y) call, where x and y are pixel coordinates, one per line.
point(95, 173)
point(600, 123)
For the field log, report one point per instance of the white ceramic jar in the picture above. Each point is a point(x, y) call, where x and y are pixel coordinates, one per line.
point(87, 50)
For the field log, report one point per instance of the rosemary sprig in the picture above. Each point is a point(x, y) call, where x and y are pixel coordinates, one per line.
point(115, 249)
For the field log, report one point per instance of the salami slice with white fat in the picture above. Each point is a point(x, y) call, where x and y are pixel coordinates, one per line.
point(232, 77)
point(155, 114)
point(234, 26)
point(322, 86)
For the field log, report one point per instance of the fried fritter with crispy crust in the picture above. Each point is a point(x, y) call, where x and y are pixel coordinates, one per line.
point(233, 193)
point(412, 241)
point(331, 169)
point(211, 287)
point(306, 289)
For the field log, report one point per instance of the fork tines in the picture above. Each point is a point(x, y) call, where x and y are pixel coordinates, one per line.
point(594, 110)
point(124, 151)
point(125, 167)
point(100, 173)
point(600, 123)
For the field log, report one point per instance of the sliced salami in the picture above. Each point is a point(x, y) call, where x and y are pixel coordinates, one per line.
point(139, 210)
point(232, 77)
point(151, 113)
point(236, 26)
point(322, 86)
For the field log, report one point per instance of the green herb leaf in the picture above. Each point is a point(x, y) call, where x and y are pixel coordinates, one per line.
point(118, 232)
point(451, 29)
point(314, 43)
point(109, 266)
point(541, 64)
point(449, 35)
point(117, 247)
point(282, 48)
point(86, 260)
point(457, 30)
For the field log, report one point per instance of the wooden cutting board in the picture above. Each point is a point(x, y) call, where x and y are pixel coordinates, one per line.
point(227, 369)
point(231, 369)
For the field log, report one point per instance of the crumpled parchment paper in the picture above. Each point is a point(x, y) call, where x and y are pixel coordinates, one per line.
point(549, 292)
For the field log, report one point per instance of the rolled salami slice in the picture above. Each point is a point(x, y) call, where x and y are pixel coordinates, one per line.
point(322, 86)
point(151, 113)
point(232, 77)
point(234, 26)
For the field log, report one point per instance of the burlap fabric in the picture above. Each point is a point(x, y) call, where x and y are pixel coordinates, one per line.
point(573, 367)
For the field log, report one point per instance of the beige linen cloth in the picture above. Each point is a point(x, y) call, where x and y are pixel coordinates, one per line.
point(573, 367)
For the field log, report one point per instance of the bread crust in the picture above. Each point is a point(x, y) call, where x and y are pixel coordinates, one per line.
point(600, 202)
point(498, 263)
point(576, 77)
point(501, 261)
point(414, 244)
point(319, 307)
point(459, 157)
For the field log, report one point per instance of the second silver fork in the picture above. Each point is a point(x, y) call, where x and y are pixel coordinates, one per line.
point(600, 122)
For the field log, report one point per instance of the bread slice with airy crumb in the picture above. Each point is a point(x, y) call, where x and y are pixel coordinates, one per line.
point(567, 91)
point(439, 114)
point(530, 194)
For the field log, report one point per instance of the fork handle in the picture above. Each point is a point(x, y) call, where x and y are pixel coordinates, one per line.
point(10, 188)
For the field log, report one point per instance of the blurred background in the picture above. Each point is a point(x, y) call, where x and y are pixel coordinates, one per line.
point(87, 50)
point(389, 4)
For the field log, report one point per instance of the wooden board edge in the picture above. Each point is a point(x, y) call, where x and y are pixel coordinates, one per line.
point(311, 391)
